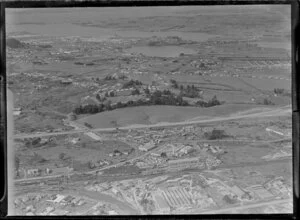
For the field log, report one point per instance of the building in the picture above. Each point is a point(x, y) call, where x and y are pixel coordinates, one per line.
point(94, 136)
point(112, 212)
point(66, 82)
point(75, 140)
point(261, 192)
point(237, 191)
point(59, 198)
point(186, 150)
point(17, 111)
point(148, 146)
point(33, 172)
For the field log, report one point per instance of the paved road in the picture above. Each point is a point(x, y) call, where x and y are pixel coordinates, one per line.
point(267, 113)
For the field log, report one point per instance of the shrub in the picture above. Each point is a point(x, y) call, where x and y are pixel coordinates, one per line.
point(215, 134)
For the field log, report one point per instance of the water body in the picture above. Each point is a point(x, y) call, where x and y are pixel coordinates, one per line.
point(160, 51)
point(67, 30)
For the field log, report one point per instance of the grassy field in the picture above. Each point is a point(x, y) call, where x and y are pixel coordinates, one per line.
point(155, 114)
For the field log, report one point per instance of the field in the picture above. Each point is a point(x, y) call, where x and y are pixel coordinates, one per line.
point(156, 114)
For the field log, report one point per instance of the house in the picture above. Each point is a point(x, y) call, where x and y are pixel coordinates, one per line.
point(112, 212)
point(66, 82)
point(237, 191)
point(75, 140)
point(44, 141)
point(69, 199)
point(148, 146)
point(17, 112)
point(59, 198)
point(186, 150)
point(81, 202)
point(33, 172)
point(93, 135)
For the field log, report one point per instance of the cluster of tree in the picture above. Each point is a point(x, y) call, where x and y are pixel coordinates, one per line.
point(78, 63)
point(132, 83)
point(88, 125)
point(110, 94)
point(62, 156)
point(278, 91)
point(213, 102)
point(157, 98)
point(37, 158)
point(35, 142)
point(189, 91)
point(91, 109)
point(215, 134)
point(167, 98)
point(100, 99)
point(135, 92)
point(267, 102)
point(154, 43)
point(148, 205)
point(17, 164)
point(147, 91)
point(110, 78)
point(174, 83)
point(230, 199)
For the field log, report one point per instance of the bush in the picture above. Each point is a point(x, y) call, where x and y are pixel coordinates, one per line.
point(135, 92)
point(215, 134)
point(278, 91)
point(132, 83)
point(88, 125)
point(213, 102)
point(267, 102)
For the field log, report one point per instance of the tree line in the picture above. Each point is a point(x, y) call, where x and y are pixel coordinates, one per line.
point(157, 98)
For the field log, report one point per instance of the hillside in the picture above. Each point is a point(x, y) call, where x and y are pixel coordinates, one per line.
point(14, 43)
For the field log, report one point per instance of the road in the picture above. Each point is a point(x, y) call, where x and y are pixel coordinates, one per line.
point(278, 111)
point(267, 113)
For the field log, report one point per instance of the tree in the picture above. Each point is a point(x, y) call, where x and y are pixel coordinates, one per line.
point(62, 156)
point(267, 102)
point(119, 105)
point(98, 97)
point(135, 92)
point(215, 134)
point(147, 91)
point(17, 164)
point(163, 154)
